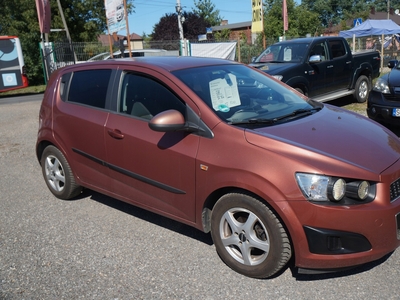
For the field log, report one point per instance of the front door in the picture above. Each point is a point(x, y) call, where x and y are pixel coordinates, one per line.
point(154, 170)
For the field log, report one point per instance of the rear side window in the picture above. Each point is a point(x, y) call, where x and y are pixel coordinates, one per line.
point(337, 48)
point(89, 87)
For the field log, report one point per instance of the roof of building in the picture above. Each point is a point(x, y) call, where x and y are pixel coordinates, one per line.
point(232, 26)
point(104, 39)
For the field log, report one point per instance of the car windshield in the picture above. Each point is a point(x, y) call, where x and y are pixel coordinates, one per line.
point(288, 52)
point(241, 95)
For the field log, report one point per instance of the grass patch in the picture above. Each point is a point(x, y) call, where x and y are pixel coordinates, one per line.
point(28, 90)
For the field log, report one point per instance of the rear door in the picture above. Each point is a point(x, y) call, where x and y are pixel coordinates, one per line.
point(155, 170)
point(79, 119)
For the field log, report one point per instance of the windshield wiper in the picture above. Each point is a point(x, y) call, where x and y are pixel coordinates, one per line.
point(252, 121)
point(303, 112)
point(298, 112)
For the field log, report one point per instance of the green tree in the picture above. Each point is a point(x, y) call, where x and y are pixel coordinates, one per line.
point(222, 35)
point(381, 5)
point(301, 21)
point(332, 12)
point(206, 10)
point(85, 21)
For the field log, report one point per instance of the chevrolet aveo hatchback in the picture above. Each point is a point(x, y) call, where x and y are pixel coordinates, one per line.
point(226, 149)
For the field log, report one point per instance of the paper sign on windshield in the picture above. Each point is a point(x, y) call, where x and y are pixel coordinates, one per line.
point(224, 93)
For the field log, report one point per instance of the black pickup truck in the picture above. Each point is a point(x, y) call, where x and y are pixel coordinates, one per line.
point(323, 68)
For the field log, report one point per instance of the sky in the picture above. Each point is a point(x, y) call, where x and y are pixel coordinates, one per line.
point(149, 12)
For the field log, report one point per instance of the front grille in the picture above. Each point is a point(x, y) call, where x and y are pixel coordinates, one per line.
point(395, 190)
point(394, 95)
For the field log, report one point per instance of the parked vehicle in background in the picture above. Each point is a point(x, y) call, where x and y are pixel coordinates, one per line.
point(225, 148)
point(323, 68)
point(12, 66)
point(384, 99)
point(134, 53)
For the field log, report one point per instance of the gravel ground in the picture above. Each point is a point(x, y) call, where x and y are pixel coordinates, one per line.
point(99, 248)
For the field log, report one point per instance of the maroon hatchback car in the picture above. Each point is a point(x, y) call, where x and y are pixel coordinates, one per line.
point(228, 150)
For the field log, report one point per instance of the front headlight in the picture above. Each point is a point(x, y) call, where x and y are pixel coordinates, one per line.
point(322, 188)
point(382, 86)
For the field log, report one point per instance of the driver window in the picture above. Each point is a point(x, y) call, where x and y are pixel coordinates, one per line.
point(144, 97)
point(319, 49)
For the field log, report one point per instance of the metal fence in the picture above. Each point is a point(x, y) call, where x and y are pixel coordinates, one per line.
point(60, 54)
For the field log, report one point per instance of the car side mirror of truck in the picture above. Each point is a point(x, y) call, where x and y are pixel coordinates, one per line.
point(315, 59)
point(392, 63)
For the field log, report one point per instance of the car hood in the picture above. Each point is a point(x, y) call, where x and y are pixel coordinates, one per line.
point(332, 137)
point(274, 68)
point(393, 78)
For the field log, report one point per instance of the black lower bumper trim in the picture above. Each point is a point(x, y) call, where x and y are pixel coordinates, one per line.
point(327, 241)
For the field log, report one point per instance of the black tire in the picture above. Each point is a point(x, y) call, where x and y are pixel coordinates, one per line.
point(253, 241)
point(362, 89)
point(58, 175)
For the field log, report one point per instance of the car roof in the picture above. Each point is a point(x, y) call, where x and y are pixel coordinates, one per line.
point(309, 39)
point(168, 63)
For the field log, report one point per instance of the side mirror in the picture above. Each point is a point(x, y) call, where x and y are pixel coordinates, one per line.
point(315, 59)
point(392, 63)
point(169, 120)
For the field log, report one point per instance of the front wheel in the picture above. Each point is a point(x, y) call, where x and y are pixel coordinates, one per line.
point(248, 236)
point(362, 89)
point(58, 174)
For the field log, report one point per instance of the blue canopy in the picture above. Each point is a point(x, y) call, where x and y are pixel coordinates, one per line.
point(372, 27)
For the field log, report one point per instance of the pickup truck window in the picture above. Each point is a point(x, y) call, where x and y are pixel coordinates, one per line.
point(319, 49)
point(337, 48)
point(285, 52)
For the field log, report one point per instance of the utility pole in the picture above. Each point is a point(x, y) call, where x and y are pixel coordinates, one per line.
point(181, 19)
point(66, 30)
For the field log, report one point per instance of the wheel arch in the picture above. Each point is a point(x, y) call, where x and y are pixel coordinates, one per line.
point(364, 70)
point(299, 83)
point(217, 194)
point(40, 148)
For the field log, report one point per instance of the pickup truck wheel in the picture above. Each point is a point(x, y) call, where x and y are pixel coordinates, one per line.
point(363, 86)
point(248, 236)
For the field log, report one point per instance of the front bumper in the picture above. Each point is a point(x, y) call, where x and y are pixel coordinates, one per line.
point(337, 237)
point(384, 108)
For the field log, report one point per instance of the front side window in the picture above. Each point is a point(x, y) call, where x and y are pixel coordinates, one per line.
point(319, 49)
point(144, 97)
point(89, 87)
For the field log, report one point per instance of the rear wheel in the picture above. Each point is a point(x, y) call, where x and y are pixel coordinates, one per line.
point(248, 236)
point(58, 174)
point(362, 89)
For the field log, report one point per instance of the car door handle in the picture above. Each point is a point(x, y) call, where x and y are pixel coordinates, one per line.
point(116, 134)
point(329, 67)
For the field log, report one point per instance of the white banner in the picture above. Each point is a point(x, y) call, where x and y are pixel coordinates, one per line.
point(115, 13)
point(218, 50)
